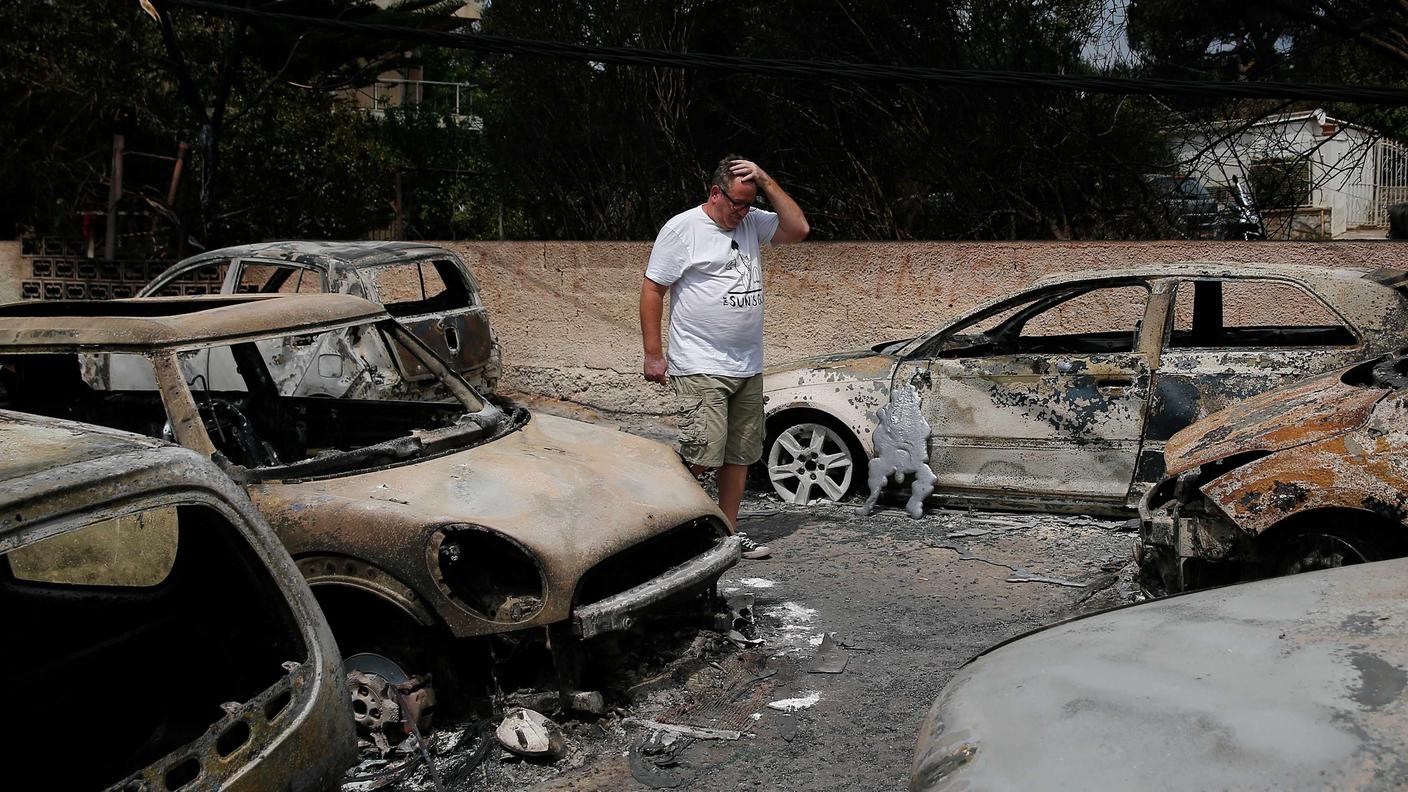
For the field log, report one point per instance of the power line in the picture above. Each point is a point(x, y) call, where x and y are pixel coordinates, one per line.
point(797, 69)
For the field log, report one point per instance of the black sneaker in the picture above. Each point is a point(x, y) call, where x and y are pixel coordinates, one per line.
point(753, 550)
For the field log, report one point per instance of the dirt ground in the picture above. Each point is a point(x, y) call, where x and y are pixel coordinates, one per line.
point(896, 604)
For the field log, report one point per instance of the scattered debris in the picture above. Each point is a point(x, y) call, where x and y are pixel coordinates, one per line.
point(794, 704)
point(689, 731)
point(529, 734)
point(830, 658)
point(759, 583)
point(741, 640)
point(655, 762)
point(1055, 581)
point(787, 728)
point(590, 702)
point(741, 616)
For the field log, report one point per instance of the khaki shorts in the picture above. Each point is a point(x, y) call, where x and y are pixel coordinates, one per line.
point(720, 418)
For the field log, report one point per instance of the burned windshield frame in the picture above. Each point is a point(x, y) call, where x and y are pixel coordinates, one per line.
point(464, 417)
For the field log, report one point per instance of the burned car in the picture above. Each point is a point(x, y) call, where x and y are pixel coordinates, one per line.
point(1063, 395)
point(158, 635)
point(1293, 683)
point(1310, 476)
point(413, 521)
point(428, 289)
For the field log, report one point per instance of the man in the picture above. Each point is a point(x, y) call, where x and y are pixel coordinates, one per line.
point(709, 259)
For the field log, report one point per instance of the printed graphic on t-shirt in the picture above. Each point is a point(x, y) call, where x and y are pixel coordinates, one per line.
point(747, 290)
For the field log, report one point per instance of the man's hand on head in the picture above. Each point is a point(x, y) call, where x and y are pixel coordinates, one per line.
point(747, 170)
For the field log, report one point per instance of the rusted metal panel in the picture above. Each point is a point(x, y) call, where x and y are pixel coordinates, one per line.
point(542, 486)
point(1306, 412)
point(1294, 683)
point(1334, 445)
point(1042, 424)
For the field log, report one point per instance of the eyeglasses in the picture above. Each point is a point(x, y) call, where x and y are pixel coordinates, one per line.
point(737, 204)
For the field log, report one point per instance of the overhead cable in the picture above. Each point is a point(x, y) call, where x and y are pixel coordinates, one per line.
point(836, 70)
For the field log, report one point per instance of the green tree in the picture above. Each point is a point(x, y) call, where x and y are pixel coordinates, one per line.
point(594, 150)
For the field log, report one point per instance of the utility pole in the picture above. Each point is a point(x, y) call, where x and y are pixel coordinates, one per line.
point(114, 195)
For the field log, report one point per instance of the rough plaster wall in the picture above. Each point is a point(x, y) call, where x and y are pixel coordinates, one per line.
point(12, 269)
point(567, 312)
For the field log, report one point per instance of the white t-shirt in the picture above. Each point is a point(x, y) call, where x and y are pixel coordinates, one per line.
point(716, 291)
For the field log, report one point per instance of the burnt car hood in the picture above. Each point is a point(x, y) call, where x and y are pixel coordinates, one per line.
point(571, 492)
point(1310, 411)
point(865, 364)
point(1291, 683)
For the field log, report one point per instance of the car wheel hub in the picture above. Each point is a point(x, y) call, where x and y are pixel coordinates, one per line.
point(810, 463)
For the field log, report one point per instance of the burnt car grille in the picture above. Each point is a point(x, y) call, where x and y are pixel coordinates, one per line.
point(649, 559)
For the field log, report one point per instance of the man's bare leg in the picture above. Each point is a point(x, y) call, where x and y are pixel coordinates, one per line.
point(731, 479)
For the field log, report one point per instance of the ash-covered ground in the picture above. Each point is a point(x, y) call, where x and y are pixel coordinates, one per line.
point(846, 636)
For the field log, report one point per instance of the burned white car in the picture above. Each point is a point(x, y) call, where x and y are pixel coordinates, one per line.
point(157, 634)
point(1293, 683)
point(1062, 396)
point(413, 521)
point(428, 289)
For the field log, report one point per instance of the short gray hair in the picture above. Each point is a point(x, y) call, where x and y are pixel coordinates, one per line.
point(723, 177)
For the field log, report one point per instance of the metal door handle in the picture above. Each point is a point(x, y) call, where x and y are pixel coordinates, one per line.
point(1113, 382)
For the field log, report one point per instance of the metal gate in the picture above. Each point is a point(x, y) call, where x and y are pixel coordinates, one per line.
point(1390, 179)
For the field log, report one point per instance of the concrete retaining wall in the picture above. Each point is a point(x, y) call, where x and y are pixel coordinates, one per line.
point(567, 313)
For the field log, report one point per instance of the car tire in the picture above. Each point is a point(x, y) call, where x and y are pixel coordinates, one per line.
point(812, 459)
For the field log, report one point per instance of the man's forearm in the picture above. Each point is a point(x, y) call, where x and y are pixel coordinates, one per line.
point(792, 224)
point(651, 307)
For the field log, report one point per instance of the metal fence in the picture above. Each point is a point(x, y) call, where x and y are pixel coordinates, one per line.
point(1390, 179)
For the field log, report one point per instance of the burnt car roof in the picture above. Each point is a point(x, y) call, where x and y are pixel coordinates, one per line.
point(1301, 272)
point(51, 443)
point(1294, 682)
point(328, 254)
point(164, 322)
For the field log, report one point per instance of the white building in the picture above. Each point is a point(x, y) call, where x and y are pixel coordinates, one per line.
point(1310, 171)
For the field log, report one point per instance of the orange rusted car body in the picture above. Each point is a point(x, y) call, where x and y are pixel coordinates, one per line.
point(1326, 458)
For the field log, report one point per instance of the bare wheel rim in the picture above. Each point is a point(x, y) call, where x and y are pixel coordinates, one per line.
point(810, 463)
point(1313, 551)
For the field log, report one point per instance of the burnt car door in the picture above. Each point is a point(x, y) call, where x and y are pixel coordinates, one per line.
point(437, 300)
point(1042, 396)
point(1228, 338)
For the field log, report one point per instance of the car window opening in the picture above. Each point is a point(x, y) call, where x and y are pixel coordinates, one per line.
point(1102, 320)
point(319, 404)
point(1214, 313)
point(160, 628)
point(420, 287)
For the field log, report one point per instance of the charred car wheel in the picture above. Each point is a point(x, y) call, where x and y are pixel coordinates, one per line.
point(812, 462)
point(377, 637)
point(1309, 549)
